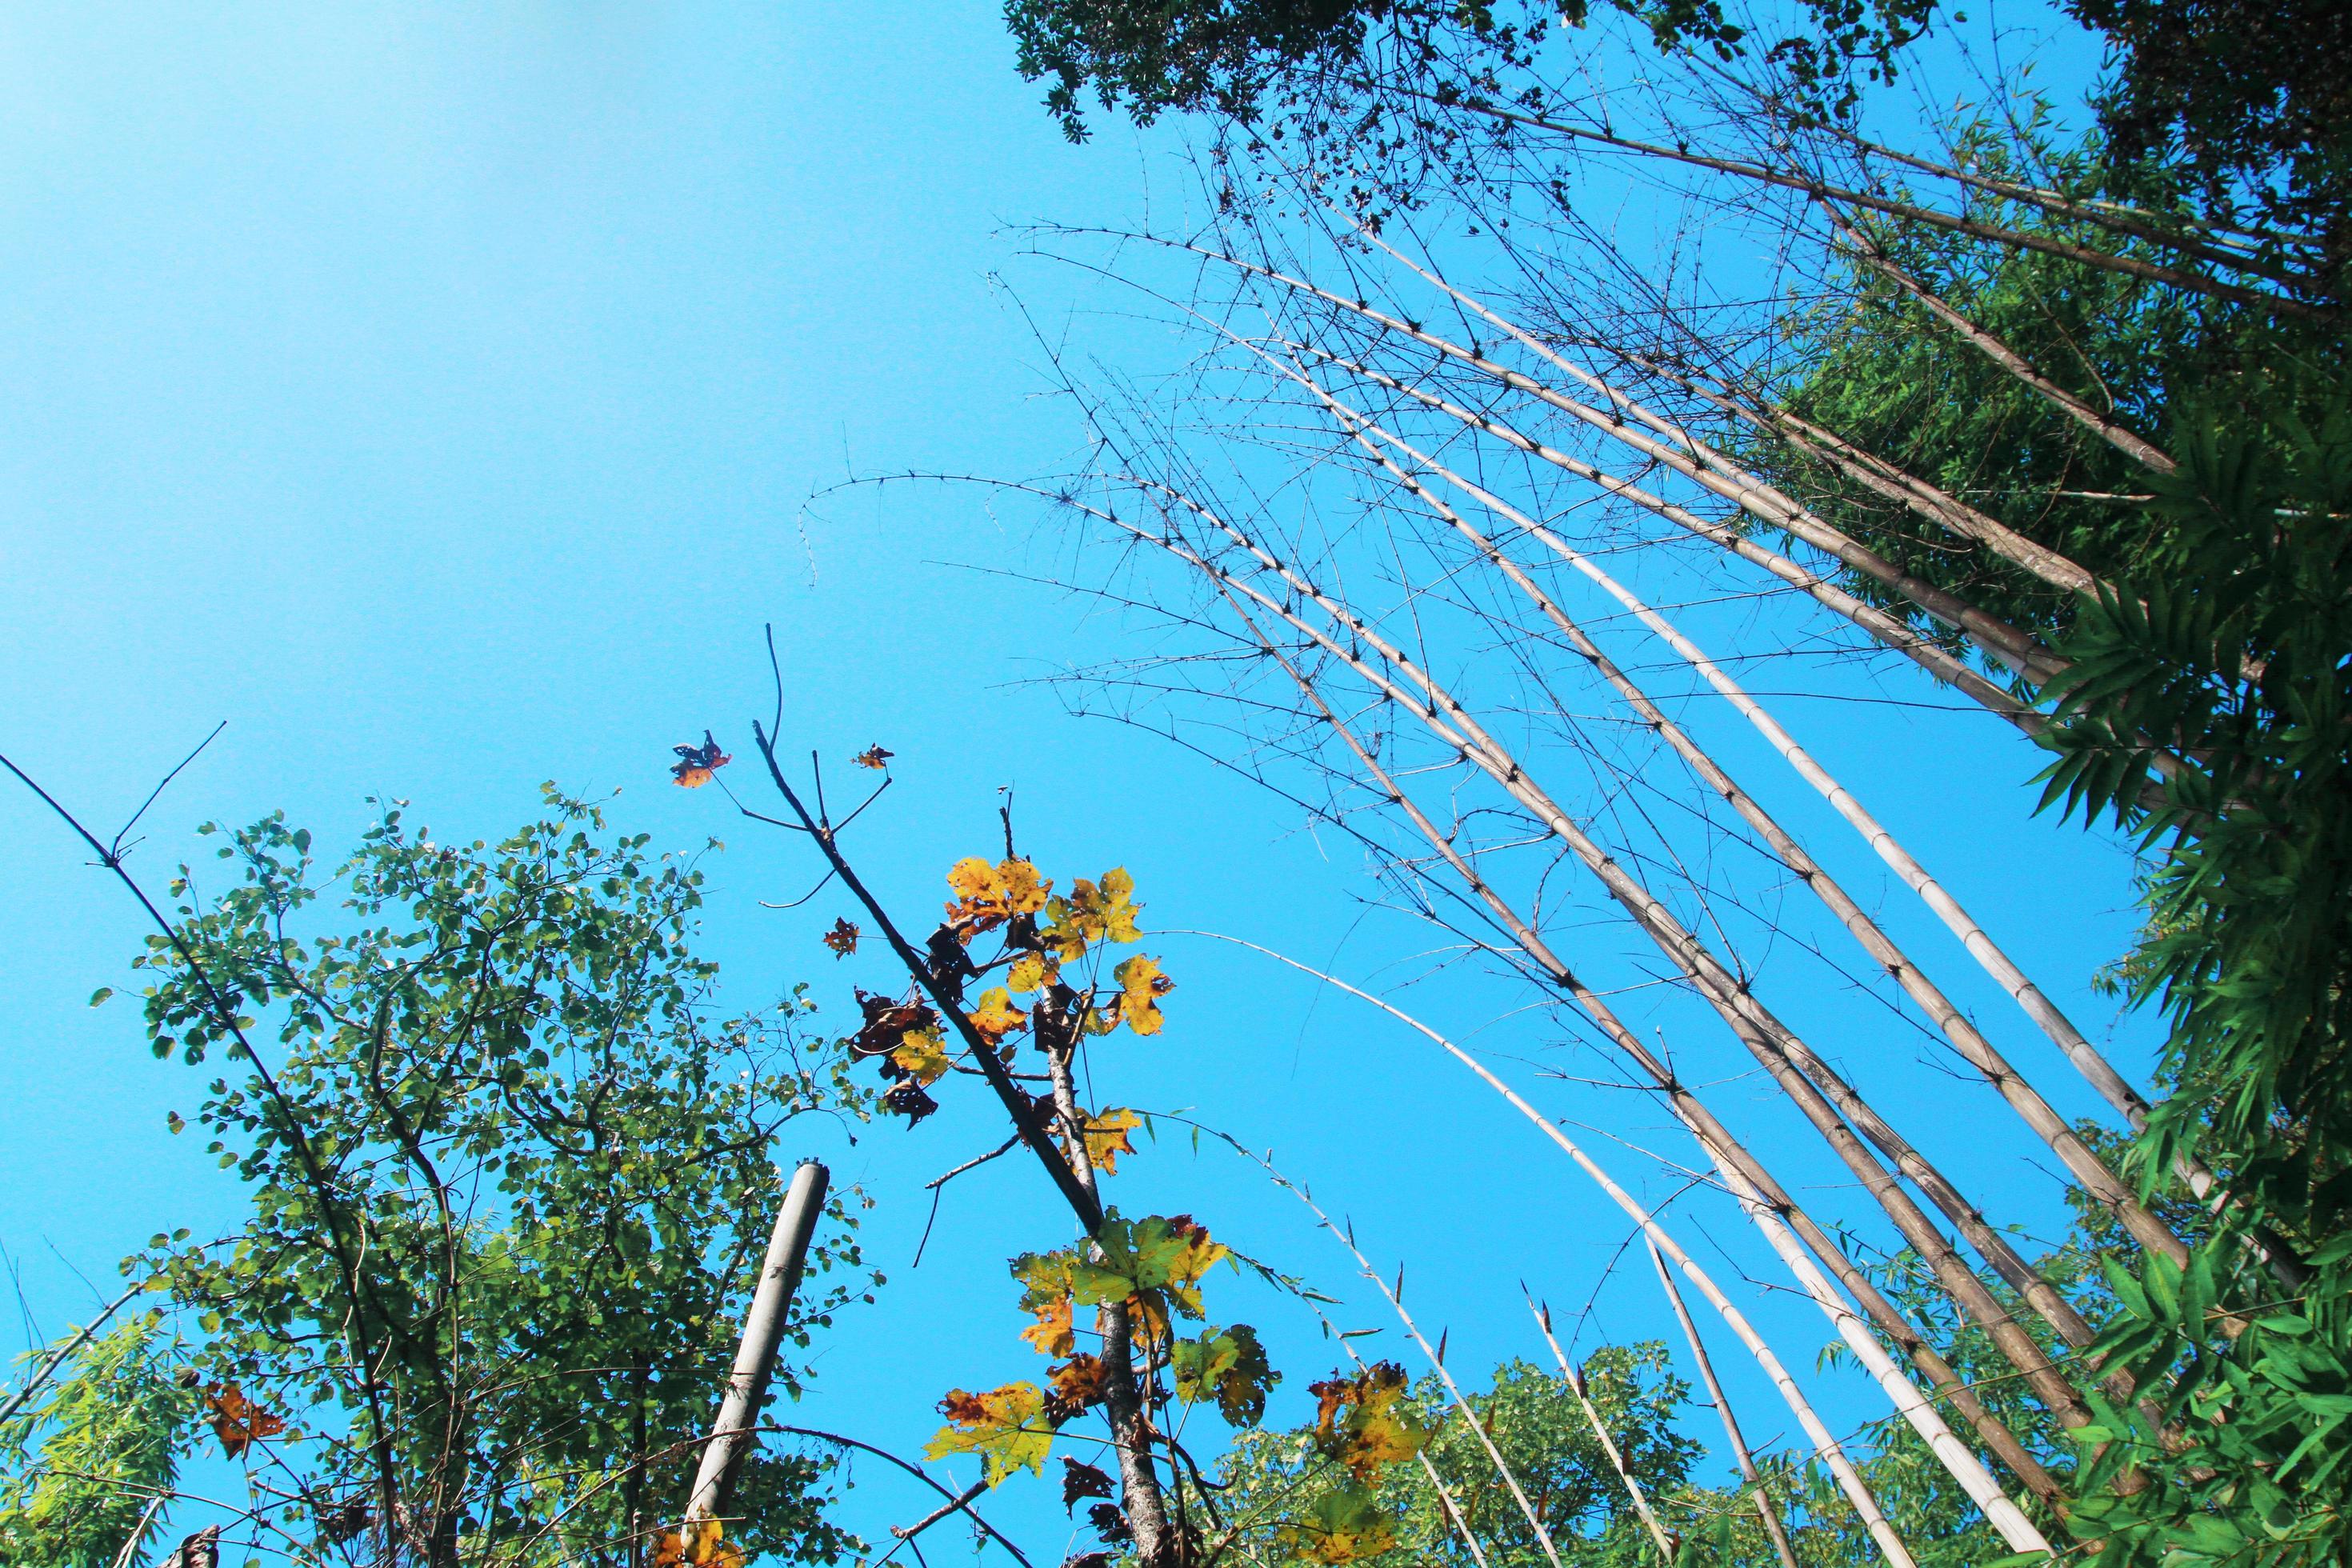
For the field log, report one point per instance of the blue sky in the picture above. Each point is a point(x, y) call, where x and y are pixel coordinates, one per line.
point(433, 395)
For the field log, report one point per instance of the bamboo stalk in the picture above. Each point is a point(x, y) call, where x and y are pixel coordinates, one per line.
point(736, 1432)
point(1825, 1100)
point(1575, 1380)
point(1732, 1435)
point(2130, 444)
point(1693, 1111)
point(2037, 1113)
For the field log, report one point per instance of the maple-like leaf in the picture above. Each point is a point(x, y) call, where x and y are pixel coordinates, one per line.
point(1005, 1426)
point(987, 896)
point(1230, 1366)
point(1341, 1526)
point(1052, 1333)
point(874, 757)
point(1367, 1420)
point(1094, 912)
point(1032, 972)
point(996, 1016)
point(1148, 1258)
point(1080, 1479)
point(842, 938)
point(696, 763)
point(1078, 1383)
point(1140, 986)
point(237, 1421)
point(698, 1543)
point(1106, 1133)
point(922, 1055)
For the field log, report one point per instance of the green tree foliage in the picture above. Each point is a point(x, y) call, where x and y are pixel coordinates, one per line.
point(82, 1464)
point(509, 1184)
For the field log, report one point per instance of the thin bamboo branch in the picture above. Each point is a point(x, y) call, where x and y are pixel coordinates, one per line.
point(1575, 1380)
point(1833, 1455)
point(1731, 1433)
point(2129, 443)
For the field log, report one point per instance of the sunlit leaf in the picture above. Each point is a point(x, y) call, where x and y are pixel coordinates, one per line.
point(1340, 1526)
point(842, 939)
point(1005, 1426)
point(922, 1055)
point(1032, 972)
point(1140, 986)
point(987, 896)
point(873, 757)
point(1367, 1421)
point(996, 1016)
point(1106, 1133)
point(1229, 1366)
point(696, 763)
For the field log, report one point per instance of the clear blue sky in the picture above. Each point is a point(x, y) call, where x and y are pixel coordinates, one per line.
point(432, 395)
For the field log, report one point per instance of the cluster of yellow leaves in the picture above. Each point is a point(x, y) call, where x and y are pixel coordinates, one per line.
point(987, 896)
point(1092, 913)
point(1106, 1133)
point(1367, 1420)
point(700, 1544)
point(1005, 1426)
point(237, 1421)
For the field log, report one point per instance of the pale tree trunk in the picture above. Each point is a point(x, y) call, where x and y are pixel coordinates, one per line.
point(1575, 1380)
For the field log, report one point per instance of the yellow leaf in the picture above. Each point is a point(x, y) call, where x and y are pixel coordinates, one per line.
point(1140, 986)
point(1031, 971)
point(996, 1015)
point(987, 896)
point(1052, 1332)
point(1367, 1420)
point(1106, 1133)
point(1092, 913)
point(1005, 1426)
point(923, 1053)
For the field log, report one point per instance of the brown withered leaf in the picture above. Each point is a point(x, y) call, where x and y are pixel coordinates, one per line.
point(1080, 1479)
point(842, 938)
point(696, 763)
point(874, 757)
point(888, 1023)
point(1078, 1383)
point(237, 1421)
point(907, 1099)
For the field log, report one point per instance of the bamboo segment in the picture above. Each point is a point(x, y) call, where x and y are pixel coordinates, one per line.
point(736, 1432)
point(1771, 1516)
point(1575, 1380)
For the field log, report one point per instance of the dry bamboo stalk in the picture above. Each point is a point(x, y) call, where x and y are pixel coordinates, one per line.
point(1750, 494)
point(2032, 1108)
point(1824, 1098)
point(1692, 1111)
point(2127, 442)
point(1748, 1472)
point(1833, 1454)
point(1453, 1510)
point(2002, 1512)
point(1964, 521)
point(1575, 1380)
point(763, 1329)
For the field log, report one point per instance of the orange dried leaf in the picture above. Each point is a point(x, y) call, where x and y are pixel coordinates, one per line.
point(873, 757)
point(236, 1421)
point(696, 763)
point(842, 939)
point(996, 1016)
point(1052, 1332)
